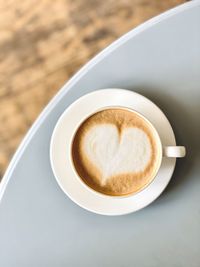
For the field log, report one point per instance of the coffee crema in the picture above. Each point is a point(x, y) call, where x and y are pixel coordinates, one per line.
point(115, 152)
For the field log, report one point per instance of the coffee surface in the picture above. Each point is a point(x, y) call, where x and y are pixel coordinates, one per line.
point(115, 152)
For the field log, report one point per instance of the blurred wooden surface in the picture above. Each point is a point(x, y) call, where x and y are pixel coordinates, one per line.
point(43, 43)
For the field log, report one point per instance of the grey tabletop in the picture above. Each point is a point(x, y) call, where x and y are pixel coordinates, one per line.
point(40, 226)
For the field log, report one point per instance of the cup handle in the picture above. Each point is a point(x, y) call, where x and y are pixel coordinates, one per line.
point(174, 151)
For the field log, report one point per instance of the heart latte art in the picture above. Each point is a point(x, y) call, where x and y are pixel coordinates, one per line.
point(114, 152)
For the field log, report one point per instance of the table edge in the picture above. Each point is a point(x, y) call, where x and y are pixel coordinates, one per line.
point(67, 86)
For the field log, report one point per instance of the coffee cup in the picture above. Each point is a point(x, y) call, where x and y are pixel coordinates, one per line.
point(117, 152)
point(113, 151)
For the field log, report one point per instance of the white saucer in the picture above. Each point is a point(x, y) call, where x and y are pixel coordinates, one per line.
point(60, 151)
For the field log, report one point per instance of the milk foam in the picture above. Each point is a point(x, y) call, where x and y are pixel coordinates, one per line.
point(113, 153)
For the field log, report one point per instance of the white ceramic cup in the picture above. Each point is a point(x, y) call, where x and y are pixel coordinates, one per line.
point(63, 167)
point(163, 151)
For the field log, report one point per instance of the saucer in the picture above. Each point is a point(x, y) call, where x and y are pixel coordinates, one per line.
point(60, 151)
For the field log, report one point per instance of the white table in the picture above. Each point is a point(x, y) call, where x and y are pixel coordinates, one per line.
point(40, 226)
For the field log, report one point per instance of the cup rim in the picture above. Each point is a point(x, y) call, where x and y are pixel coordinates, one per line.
point(117, 196)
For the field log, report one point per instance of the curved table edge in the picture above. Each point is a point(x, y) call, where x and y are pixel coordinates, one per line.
point(144, 26)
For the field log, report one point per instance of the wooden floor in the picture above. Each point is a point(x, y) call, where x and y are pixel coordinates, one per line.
point(43, 43)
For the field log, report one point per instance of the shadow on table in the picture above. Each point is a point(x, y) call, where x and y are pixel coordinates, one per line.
point(185, 124)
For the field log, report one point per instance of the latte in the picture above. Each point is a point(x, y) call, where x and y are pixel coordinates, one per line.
point(115, 152)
